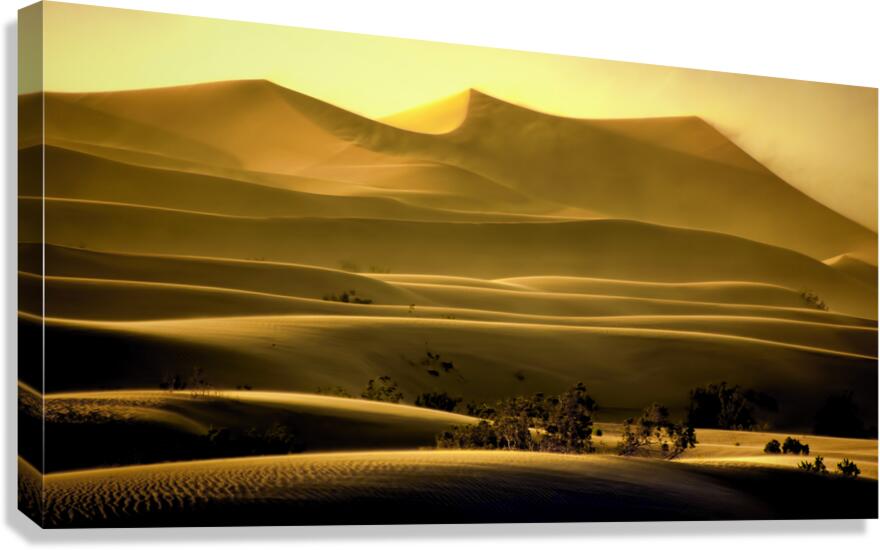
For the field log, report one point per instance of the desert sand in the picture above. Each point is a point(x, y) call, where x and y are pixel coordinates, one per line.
point(218, 226)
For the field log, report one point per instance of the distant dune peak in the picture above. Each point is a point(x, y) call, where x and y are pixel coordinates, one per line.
point(437, 117)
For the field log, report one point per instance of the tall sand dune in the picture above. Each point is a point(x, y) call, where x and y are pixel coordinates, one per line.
point(620, 169)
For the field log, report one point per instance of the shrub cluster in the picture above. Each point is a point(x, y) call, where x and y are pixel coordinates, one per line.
point(654, 431)
point(349, 297)
point(817, 466)
point(382, 389)
point(439, 401)
point(275, 439)
point(795, 447)
point(562, 424)
point(848, 468)
point(727, 407)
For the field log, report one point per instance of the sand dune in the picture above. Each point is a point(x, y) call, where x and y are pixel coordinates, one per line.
point(93, 429)
point(255, 276)
point(732, 292)
point(857, 269)
point(622, 367)
point(418, 487)
point(597, 248)
point(76, 175)
point(629, 165)
point(98, 299)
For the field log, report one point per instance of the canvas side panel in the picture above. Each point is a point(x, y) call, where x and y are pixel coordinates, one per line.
point(31, 446)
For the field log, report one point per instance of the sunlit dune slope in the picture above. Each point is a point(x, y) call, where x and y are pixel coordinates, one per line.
point(418, 487)
point(90, 429)
point(616, 249)
point(733, 292)
point(254, 276)
point(99, 299)
point(746, 448)
point(76, 175)
point(384, 289)
point(623, 367)
point(676, 171)
point(861, 271)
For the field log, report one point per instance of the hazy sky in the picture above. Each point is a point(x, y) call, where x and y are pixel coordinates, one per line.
point(822, 138)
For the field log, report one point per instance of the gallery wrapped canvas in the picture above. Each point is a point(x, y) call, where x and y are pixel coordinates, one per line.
point(278, 276)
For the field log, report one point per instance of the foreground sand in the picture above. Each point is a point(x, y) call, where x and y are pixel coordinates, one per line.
point(94, 428)
point(438, 487)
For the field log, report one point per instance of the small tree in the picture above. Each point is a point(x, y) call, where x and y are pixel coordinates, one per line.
point(773, 447)
point(439, 401)
point(568, 421)
point(848, 468)
point(382, 389)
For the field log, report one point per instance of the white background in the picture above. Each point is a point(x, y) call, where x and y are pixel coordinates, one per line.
point(831, 41)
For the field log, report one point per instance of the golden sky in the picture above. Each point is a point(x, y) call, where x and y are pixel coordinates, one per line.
point(822, 138)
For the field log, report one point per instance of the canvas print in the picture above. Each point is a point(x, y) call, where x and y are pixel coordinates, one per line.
point(281, 276)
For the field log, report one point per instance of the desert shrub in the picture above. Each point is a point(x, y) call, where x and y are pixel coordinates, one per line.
point(566, 421)
point(817, 466)
point(655, 431)
point(275, 439)
point(839, 416)
point(382, 389)
point(562, 424)
point(813, 300)
point(795, 447)
point(727, 407)
point(848, 468)
point(477, 436)
point(347, 297)
point(335, 391)
point(479, 410)
point(440, 401)
point(773, 447)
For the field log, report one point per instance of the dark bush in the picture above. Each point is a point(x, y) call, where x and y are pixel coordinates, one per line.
point(479, 410)
point(773, 447)
point(817, 466)
point(655, 431)
point(795, 447)
point(275, 439)
point(349, 297)
point(848, 468)
point(727, 407)
point(562, 424)
point(440, 401)
point(382, 389)
point(477, 436)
